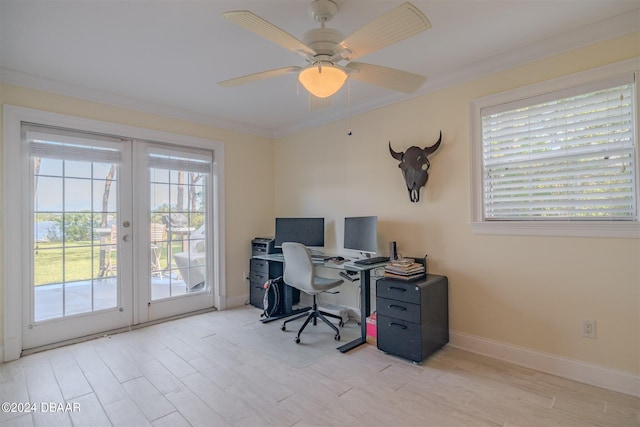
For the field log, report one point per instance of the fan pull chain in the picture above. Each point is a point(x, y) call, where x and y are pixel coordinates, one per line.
point(349, 133)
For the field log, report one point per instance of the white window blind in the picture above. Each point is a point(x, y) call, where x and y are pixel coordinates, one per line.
point(562, 156)
point(166, 159)
point(70, 145)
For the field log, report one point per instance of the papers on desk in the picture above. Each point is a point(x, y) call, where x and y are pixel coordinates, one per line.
point(404, 269)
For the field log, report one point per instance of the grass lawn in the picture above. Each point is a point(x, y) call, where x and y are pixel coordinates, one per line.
point(81, 260)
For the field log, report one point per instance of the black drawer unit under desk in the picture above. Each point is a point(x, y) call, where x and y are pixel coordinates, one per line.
point(258, 274)
point(261, 271)
point(413, 316)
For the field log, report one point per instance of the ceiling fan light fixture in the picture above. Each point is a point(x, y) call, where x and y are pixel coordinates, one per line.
point(322, 80)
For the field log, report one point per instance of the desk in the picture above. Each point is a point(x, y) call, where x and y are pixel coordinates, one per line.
point(365, 291)
point(182, 232)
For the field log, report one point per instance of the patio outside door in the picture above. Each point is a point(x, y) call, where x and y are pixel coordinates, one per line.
point(81, 233)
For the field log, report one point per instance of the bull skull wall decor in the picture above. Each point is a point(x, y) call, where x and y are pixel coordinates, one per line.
point(415, 167)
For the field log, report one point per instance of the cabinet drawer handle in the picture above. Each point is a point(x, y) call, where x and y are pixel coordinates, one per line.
point(398, 307)
point(395, 288)
point(397, 325)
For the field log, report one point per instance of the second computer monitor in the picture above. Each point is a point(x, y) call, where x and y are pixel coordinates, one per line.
point(308, 231)
point(361, 234)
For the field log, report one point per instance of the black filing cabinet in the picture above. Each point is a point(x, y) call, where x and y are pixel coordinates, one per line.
point(260, 271)
point(413, 316)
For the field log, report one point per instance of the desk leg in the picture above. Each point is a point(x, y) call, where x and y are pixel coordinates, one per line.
point(365, 311)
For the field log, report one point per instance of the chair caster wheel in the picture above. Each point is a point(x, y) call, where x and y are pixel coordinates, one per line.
point(297, 340)
point(284, 328)
point(337, 337)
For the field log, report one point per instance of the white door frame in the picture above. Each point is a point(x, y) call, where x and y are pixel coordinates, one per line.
point(15, 189)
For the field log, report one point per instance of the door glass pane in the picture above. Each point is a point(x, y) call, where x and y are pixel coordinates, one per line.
point(49, 194)
point(178, 239)
point(75, 238)
point(77, 196)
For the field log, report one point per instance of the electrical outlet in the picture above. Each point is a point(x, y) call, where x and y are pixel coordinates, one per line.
point(589, 328)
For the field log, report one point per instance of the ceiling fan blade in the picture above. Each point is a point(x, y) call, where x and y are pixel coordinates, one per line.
point(386, 77)
point(259, 76)
point(398, 24)
point(252, 22)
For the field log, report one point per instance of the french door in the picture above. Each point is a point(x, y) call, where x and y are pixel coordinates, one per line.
point(175, 185)
point(80, 253)
point(118, 233)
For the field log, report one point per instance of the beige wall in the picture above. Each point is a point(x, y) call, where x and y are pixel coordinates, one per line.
point(525, 291)
point(248, 182)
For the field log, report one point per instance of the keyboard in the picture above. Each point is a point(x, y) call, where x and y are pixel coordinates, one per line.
point(372, 260)
point(316, 257)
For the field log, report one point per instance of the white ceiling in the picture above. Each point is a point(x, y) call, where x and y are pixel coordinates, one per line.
point(166, 57)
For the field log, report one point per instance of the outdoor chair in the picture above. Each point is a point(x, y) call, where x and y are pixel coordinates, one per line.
point(157, 238)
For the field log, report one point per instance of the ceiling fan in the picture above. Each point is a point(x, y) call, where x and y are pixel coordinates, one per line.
point(324, 48)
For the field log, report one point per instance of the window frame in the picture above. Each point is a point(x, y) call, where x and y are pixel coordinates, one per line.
point(573, 227)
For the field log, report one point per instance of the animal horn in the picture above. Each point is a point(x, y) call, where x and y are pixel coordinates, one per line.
point(434, 147)
point(394, 154)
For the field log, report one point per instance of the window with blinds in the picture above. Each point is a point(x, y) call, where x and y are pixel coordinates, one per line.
point(568, 155)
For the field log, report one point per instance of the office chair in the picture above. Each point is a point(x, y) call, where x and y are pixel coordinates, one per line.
point(298, 273)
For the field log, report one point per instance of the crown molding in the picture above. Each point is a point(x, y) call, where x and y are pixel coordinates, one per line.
point(600, 31)
point(17, 78)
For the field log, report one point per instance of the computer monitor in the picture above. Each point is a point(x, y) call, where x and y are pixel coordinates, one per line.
point(361, 234)
point(308, 231)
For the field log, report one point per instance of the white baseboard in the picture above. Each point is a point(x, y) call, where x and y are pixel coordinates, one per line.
point(611, 379)
point(239, 301)
point(10, 349)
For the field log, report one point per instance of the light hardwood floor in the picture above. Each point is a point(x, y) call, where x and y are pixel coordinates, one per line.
point(228, 369)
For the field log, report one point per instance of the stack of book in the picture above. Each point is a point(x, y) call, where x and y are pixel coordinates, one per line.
point(404, 269)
